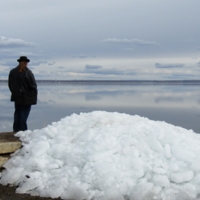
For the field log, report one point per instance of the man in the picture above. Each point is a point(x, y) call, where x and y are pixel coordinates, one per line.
point(23, 89)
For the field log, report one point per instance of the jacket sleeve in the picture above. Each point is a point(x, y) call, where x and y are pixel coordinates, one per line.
point(9, 82)
point(32, 82)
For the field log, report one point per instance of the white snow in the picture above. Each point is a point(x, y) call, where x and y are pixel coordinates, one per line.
point(107, 156)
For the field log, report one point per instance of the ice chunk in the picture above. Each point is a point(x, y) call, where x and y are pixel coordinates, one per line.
point(168, 151)
point(40, 148)
point(155, 145)
point(54, 192)
point(140, 191)
point(12, 176)
point(181, 177)
point(160, 180)
point(174, 167)
point(148, 176)
point(182, 154)
point(197, 179)
point(113, 194)
point(157, 189)
point(195, 165)
point(173, 194)
point(159, 170)
point(29, 184)
point(76, 192)
point(190, 189)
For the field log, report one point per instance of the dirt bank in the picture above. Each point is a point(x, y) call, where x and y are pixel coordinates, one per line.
point(8, 193)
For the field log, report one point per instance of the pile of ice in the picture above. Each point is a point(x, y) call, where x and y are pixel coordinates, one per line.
point(107, 156)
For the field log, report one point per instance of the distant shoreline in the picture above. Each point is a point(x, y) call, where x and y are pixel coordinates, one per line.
point(118, 82)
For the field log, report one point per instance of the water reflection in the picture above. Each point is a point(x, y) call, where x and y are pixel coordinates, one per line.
point(175, 104)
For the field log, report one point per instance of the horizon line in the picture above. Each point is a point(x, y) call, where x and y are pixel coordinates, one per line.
point(117, 82)
point(123, 80)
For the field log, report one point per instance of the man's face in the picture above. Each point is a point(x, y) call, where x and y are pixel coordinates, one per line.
point(23, 64)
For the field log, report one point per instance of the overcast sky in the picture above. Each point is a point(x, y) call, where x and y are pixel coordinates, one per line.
point(102, 39)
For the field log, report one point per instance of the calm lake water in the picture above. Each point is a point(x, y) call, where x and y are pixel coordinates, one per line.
point(176, 104)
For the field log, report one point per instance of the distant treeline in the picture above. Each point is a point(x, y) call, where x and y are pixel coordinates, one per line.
point(118, 82)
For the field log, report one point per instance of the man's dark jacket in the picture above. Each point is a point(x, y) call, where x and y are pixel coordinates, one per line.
point(22, 86)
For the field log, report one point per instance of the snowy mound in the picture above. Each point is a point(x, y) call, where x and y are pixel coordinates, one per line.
point(106, 156)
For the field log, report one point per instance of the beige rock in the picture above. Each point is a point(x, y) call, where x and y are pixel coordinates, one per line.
point(9, 147)
point(9, 143)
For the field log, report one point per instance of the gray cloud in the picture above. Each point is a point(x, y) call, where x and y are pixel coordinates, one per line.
point(89, 67)
point(90, 70)
point(108, 72)
point(13, 63)
point(14, 43)
point(175, 76)
point(14, 54)
point(176, 65)
point(81, 56)
point(96, 69)
point(52, 63)
point(9, 63)
point(39, 62)
point(129, 41)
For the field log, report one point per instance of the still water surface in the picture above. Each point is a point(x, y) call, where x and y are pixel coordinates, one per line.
point(176, 104)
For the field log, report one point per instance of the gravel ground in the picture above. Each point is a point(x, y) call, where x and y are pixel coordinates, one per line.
point(8, 193)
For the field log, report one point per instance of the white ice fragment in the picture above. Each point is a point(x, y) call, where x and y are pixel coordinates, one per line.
point(104, 169)
point(156, 189)
point(148, 176)
point(181, 177)
point(173, 194)
point(54, 192)
point(138, 163)
point(142, 180)
point(40, 148)
point(197, 182)
point(197, 179)
point(136, 153)
point(76, 192)
point(160, 180)
point(155, 145)
point(181, 154)
point(190, 189)
point(12, 176)
point(101, 155)
point(29, 184)
point(168, 151)
point(159, 170)
point(57, 151)
point(139, 173)
point(195, 165)
point(113, 194)
point(140, 191)
point(174, 167)
point(33, 163)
